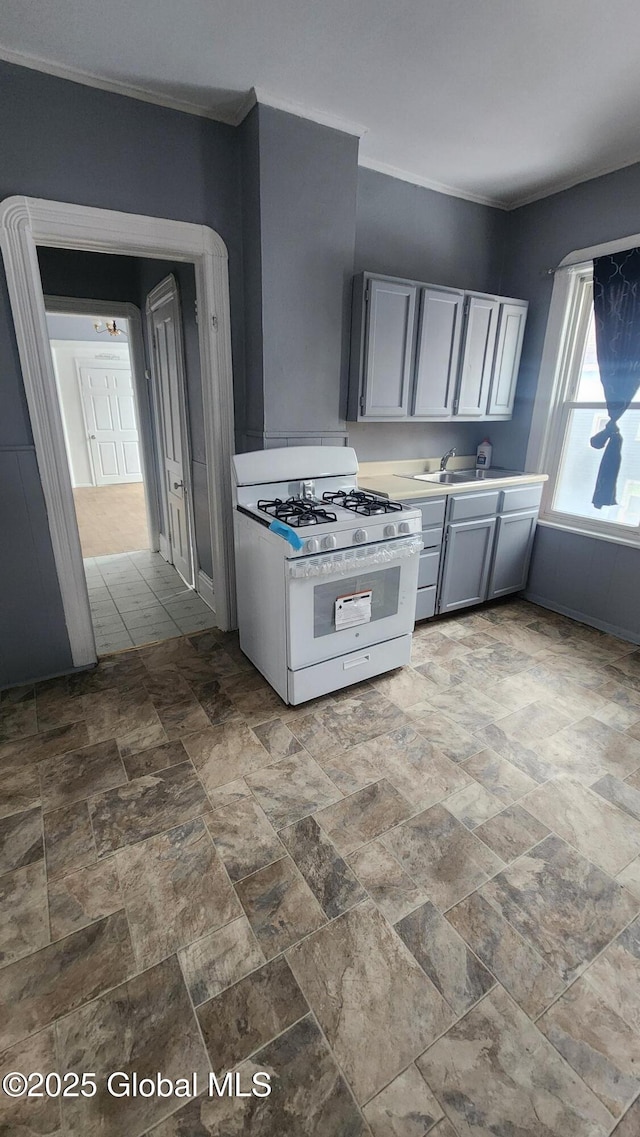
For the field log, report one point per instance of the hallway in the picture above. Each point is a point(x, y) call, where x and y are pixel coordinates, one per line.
point(137, 598)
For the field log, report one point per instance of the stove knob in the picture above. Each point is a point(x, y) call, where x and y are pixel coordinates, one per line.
point(312, 545)
point(404, 527)
point(329, 542)
point(360, 536)
point(390, 530)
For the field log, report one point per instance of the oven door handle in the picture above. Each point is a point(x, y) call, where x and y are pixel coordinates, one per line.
point(353, 561)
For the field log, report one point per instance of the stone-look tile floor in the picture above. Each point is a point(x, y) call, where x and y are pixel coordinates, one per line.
point(415, 903)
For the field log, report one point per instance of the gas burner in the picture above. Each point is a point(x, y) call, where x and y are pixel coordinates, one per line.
point(367, 504)
point(296, 512)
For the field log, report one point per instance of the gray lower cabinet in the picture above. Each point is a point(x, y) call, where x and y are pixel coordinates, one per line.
point(467, 563)
point(512, 553)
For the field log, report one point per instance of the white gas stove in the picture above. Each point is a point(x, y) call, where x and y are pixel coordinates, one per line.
point(326, 574)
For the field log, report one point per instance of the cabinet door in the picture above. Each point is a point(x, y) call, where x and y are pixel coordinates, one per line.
point(477, 356)
point(507, 358)
point(388, 360)
point(467, 562)
point(514, 542)
point(438, 353)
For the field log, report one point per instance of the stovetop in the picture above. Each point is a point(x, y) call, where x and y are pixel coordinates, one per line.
point(299, 512)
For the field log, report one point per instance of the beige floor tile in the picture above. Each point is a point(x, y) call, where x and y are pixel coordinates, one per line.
point(362, 982)
point(495, 1065)
point(385, 880)
point(441, 855)
point(473, 805)
point(520, 970)
point(220, 959)
point(512, 832)
point(280, 906)
point(597, 1044)
point(600, 831)
point(404, 1108)
point(175, 891)
point(363, 816)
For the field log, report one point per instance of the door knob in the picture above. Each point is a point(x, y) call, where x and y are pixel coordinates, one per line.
point(92, 436)
point(178, 485)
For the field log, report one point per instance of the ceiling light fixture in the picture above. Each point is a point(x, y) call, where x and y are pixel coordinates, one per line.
point(110, 326)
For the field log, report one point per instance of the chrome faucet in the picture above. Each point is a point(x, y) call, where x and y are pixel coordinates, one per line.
point(445, 457)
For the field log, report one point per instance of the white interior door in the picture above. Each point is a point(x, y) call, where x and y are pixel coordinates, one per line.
point(165, 328)
point(110, 415)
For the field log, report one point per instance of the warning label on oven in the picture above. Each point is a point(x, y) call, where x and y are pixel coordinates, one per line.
point(353, 609)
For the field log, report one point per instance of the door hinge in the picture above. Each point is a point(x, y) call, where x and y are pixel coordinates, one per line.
point(366, 295)
point(214, 321)
point(195, 309)
point(362, 402)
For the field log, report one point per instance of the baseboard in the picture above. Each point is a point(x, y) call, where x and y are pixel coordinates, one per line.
point(583, 618)
point(205, 589)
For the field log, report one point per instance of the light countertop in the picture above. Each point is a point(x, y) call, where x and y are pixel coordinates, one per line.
point(393, 479)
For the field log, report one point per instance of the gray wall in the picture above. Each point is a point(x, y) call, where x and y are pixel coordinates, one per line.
point(299, 212)
point(250, 401)
point(406, 230)
point(596, 580)
point(68, 142)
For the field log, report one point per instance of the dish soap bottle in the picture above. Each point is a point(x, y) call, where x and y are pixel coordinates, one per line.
point(483, 455)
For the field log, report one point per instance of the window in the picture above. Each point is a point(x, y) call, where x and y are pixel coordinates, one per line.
point(578, 412)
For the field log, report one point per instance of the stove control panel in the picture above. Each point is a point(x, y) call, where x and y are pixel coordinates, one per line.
point(360, 536)
point(312, 545)
point(404, 527)
point(329, 542)
point(391, 530)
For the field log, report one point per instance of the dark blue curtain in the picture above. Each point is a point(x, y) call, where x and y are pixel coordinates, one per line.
point(616, 301)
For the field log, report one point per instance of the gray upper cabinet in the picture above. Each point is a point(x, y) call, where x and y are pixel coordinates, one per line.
point(440, 327)
point(390, 337)
point(419, 351)
point(477, 356)
point(507, 358)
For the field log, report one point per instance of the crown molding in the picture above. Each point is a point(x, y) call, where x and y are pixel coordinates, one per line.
point(303, 110)
point(429, 183)
point(235, 113)
point(230, 116)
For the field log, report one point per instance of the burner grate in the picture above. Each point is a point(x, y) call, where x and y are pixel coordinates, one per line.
point(366, 504)
point(296, 512)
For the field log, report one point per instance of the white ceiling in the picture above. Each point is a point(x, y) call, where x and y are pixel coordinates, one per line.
point(500, 101)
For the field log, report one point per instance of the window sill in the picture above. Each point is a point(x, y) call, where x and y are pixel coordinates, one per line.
point(632, 542)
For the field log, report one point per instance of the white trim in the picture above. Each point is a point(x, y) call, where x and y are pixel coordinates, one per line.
point(73, 306)
point(204, 588)
point(167, 291)
point(231, 114)
point(241, 102)
point(547, 434)
point(26, 223)
point(583, 618)
point(615, 535)
point(302, 110)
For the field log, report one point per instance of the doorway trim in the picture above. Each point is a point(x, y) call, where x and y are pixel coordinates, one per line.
point(70, 306)
point(28, 222)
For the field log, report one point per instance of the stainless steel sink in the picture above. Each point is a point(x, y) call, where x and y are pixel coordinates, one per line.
point(455, 477)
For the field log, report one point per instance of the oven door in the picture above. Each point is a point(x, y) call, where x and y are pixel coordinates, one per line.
point(340, 602)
